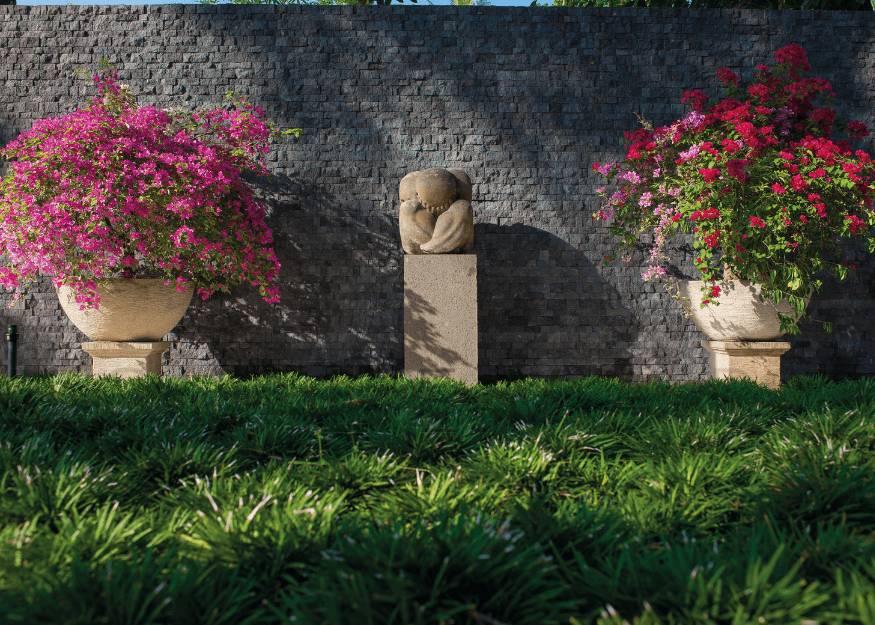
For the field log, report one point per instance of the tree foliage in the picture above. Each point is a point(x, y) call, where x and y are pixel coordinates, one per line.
point(814, 5)
point(313, 2)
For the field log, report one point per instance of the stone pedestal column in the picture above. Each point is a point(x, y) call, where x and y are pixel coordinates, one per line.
point(126, 360)
point(743, 359)
point(440, 316)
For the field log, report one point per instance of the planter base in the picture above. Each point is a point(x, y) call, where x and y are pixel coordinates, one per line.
point(126, 360)
point(440, 316)
point(742, 359)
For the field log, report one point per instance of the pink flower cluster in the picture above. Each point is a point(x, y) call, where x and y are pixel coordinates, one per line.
point(116, 190)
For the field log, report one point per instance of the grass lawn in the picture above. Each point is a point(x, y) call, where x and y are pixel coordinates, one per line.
point(386, 501)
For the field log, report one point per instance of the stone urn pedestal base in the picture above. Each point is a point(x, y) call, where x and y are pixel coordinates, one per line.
point(126, 360)
point(440, 316)
point(758, 361)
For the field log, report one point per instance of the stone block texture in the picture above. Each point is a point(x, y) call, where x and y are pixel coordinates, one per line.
point(125, 359)
point(754, 360)
point(440, 316)
point(523, 99)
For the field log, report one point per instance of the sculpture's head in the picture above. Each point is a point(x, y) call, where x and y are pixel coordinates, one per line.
point(436, 189)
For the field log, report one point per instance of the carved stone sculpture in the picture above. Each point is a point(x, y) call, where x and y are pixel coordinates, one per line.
point(436, 215)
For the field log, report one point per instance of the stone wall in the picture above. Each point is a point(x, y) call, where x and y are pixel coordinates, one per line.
point(523, 99)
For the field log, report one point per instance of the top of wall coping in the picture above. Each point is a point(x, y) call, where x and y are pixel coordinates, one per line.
point(199, 9)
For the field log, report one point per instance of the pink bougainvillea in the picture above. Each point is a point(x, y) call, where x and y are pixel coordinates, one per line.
point(116, 190)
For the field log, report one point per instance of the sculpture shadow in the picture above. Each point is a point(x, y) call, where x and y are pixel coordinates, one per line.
point(545, 310)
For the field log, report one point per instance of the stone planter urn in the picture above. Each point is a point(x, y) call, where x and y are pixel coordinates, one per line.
point(741, 316)
point(126, 330)
point(742, 330)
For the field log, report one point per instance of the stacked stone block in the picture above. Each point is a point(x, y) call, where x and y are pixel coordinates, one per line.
point(524, 99)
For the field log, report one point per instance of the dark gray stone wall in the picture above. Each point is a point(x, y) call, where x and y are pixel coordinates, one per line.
point(523, 99)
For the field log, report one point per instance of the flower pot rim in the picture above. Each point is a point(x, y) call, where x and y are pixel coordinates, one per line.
point(130, 309)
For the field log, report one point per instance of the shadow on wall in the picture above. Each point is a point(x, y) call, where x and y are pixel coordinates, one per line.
point(544, 307)
point(545, 310)
point(846, 352)
point(333, 261)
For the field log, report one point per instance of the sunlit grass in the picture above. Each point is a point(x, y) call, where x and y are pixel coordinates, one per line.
point(382, 500)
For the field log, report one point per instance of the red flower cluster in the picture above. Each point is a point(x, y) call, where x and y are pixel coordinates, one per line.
point(798, 183)
point(857, 129)
point(730, 146)
point(793, 54)
point(756, 221)
point(697, 97)
point(708, 147)
point(856, 225)
point(727, 76)
point(710, 213)
point(712, 240)
point(710, 174)
point(762, 92)
point(826, 117)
